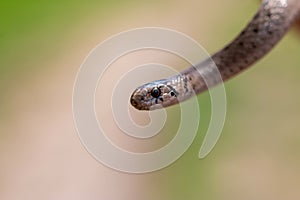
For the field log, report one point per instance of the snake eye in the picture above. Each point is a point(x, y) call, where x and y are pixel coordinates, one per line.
point(155, 92)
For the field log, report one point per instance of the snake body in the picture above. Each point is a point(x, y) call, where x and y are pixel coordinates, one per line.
point(266, 28)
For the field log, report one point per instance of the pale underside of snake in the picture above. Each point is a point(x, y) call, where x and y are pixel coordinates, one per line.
point(263, 32)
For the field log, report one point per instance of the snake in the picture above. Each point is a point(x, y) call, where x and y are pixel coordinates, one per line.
point(270, 23)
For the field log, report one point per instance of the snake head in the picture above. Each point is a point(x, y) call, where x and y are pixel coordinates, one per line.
point(154, 95)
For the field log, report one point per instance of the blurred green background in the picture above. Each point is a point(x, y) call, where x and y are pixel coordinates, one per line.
point(43, 43)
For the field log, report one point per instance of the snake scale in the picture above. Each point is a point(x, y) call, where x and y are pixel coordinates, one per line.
point(263, 32)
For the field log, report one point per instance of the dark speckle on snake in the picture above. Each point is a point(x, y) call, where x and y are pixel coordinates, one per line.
point(263, 32)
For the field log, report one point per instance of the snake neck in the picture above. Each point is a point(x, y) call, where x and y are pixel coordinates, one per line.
point(265, 30)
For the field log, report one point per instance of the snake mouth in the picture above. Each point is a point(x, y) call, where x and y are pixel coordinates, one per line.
point(137, 105)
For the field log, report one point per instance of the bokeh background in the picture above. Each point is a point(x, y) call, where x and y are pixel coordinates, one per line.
point(43, 43)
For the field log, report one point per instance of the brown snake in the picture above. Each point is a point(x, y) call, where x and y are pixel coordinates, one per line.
point(267, 27)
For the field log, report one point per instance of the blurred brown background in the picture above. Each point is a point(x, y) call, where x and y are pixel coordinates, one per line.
point(43, 43)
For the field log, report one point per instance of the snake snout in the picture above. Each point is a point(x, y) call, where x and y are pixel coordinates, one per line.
point(133, 102)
